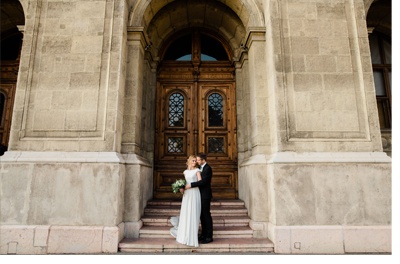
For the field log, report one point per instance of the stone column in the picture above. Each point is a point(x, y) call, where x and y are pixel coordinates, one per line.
point(258, 81)
point(139, 177)
point(253, 170)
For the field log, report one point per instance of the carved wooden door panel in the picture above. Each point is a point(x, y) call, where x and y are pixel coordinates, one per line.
point(217, 135)
point(192, 116)
point(174, 135)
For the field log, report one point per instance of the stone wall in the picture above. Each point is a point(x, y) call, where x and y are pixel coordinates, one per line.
point(345, 197)
point(71, 79)
point(321, 145)
point(78, 172)
point(328, 83)
point(59, 202)
point(64, 180)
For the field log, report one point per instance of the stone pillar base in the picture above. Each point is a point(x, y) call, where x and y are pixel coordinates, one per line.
point(132, 229)
point(330, 239)
point(260, 229)
point(40, 239)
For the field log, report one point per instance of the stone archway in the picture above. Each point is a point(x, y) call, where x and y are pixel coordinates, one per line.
point(146, 20)
point(367, 4)
point(150, 24)
point(236, 21)
point(240, 23)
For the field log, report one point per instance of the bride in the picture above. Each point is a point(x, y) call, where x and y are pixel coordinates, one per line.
point(186, 225)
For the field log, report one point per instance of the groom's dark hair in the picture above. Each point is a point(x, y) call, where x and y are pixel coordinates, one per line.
point(202, 156)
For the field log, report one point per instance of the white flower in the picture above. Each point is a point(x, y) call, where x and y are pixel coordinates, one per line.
point(178, 185)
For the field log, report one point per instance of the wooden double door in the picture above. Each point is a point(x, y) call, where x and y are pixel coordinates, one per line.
point(196, 112)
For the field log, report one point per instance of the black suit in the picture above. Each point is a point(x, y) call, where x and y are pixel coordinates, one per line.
point(205, 191)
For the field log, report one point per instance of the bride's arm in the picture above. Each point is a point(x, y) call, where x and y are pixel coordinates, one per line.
point(198, 174)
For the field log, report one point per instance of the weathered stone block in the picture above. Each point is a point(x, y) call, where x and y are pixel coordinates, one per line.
point(320, 63)
point(304, 45)
point(87, 44)
point(56, 44)
point(307, 82)
point(66, 100)
point(48, 120)
point(84, 80)
point(65, 239)
point(81, 120)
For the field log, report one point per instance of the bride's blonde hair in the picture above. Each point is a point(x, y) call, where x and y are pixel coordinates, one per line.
point(189, 160)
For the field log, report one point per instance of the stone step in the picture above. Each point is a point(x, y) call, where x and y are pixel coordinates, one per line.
point(216, 210)
point(218, 232)
point(163, 220)
point(232, 232)
point(178, 202)
point(219, 245)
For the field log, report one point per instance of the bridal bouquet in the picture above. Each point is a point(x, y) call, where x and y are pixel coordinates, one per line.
point(178, 184)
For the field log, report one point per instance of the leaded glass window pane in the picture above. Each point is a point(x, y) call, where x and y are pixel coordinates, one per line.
point(379, 84)
point(180, 50)
point(215, 110)
point(175, 145)
point(176, 110)
point(216, 145)
point(387, 49)
point(374, 47)
point(187, 57)
point(212, 50)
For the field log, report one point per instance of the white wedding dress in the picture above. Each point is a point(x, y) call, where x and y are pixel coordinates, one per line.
point(186, 225)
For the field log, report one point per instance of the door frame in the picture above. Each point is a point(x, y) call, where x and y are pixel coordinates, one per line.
point(194, 74)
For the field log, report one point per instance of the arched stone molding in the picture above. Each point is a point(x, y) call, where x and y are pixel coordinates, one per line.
point(248, 11)
point(24, 4)
point(210, 15)
point(235, 18)
point(13, 16)
point(367, 5)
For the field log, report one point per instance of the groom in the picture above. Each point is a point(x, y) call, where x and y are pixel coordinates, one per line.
point(205, 191)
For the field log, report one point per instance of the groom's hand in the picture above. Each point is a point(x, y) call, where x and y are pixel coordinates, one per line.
point(187, 187)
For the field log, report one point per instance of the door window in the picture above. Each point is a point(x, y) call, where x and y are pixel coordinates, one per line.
point(188, 47)
point(215, 110)
point(176, 110)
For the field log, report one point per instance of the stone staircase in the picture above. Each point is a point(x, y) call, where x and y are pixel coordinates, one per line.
point(231, 230)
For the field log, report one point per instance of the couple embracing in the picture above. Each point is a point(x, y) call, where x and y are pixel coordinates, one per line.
point(196, 203)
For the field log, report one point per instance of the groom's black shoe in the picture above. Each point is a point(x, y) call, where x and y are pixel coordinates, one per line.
point(201, 238)
point(206, 240)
